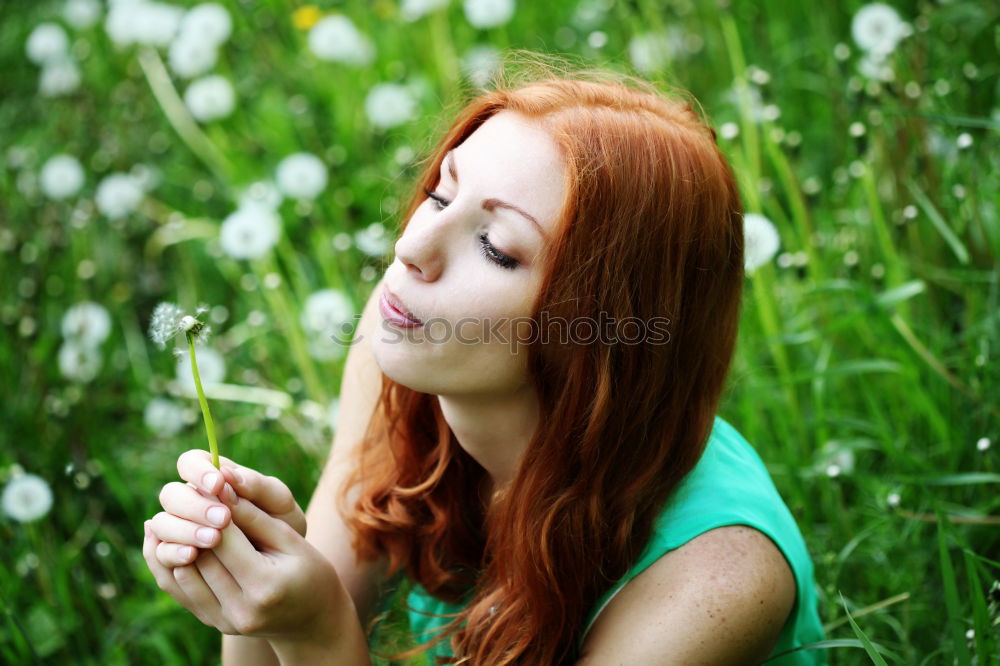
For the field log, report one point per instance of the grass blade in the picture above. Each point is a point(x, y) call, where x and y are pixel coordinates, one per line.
point(951, 596)
point(873, 653)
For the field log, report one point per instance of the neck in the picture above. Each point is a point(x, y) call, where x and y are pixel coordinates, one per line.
point(494, 430)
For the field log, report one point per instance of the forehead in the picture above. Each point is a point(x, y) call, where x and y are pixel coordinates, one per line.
point(514, 158)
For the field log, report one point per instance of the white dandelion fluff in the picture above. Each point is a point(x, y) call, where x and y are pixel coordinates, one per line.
point(210, 97)
point(142, 22)
point(208, 23)
point(190, 56)
point(389, 105)
point(249, 232)
point(86, 323)
point(488, 13)
point(262, 193)
point(82, 14)
point(26, 498)
point(164, 417)
point(59, 77)
point(761, 241)
point(325, 310)
point(652, 51)
point(411, 10)
point(118, 195)
point(61, 176)
point(46, 43)
point(301, 176)
point(480, 63)
point(211, 368)
point(335, 38)
point(169, 319)
point(877, 28)
point(373, 240)
point(79, 363)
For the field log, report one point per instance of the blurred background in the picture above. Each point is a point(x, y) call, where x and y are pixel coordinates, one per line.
point(252, 157)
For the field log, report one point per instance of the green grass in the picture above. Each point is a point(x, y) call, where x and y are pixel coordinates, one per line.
point(869, 343)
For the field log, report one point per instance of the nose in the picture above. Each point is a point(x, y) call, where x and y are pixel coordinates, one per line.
point(420, 249)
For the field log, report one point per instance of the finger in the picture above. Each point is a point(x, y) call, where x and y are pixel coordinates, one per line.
point(223, 586)
point(169, 527)
point(172, 555)
point(195, 466)
point(191, 583)
point(250, 529)
point(162, 575)
point(268, 492)
point(190, 503)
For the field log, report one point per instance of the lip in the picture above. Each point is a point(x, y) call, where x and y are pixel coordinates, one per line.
point(396, 312)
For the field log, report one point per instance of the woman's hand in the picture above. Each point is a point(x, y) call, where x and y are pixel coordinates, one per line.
point(193, 515)
point(261, 578)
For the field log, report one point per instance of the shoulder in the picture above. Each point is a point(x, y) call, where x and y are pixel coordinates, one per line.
point(721, 598)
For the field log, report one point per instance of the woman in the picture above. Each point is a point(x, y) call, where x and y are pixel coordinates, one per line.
point(529, 428)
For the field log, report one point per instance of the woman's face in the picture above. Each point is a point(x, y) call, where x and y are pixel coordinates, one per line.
point(468, 264)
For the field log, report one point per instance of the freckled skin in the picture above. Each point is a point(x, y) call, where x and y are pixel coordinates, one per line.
point(722, 598)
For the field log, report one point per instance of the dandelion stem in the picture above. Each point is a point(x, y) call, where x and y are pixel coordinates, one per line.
point(209, 425)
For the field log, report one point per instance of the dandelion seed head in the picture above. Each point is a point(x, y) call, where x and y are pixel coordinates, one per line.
point(26, 498)
point(165, 322)
point(761, 241)
point(488, 13)
point(983, 443)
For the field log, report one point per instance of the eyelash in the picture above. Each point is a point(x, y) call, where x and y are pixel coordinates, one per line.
point(491, 253)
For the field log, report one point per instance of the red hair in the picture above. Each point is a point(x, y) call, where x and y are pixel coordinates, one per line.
point(651, 227)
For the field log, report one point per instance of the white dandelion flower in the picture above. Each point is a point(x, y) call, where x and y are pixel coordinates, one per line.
point(262, 193)
point(373, 240)
point(761, 241)
point(26, 498)
point(652, 51)
point(873, 65)
point(79, 363)
point(210, 97)
point(61, 176)
point(250, 232)
point(87, 323)
point(164, 417)
point(389, 105)
point(168, 319)
point(488, 13)
point(983, 443)
point(211, 368)
point(189, 56)
point(301, 176)
point(82, 14)
point(877, 28)
point(118, 195)
point(46, 43)
point(324, 348)
point(480, 63)
point(59, 77)
point(143, 22)
point(208, 23)
point(335, 38)
point(326, 310)
point(411, 10)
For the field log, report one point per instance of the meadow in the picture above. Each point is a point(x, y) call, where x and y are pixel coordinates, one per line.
point(254, 157)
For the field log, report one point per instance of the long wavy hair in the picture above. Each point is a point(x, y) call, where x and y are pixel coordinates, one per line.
point(651, 227)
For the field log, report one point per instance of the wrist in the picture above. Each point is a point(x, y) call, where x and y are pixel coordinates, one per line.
point(338, 640)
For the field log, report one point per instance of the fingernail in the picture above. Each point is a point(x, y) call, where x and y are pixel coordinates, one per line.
point(231, 496)
point(216, 515)
point(205, 535)
point(186, 553)
point(209, 480)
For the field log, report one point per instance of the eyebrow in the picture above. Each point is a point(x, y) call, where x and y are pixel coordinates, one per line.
point(492, 204)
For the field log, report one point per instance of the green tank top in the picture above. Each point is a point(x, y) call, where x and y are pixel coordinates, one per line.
point(729, 486)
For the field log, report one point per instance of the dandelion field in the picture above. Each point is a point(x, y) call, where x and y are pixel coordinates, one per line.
point(254, 156)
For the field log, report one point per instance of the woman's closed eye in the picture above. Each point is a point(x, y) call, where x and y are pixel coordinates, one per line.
point(491, 253)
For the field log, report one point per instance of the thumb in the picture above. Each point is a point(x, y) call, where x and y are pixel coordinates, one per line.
point(264, 531)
